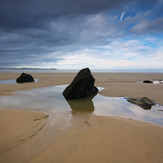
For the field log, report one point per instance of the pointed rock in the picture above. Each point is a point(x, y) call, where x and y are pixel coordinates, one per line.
point(82, 86)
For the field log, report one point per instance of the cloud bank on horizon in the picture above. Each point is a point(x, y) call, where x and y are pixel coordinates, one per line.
point(75, 33)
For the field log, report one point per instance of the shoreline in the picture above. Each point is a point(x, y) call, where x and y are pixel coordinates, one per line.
point(98, 138)
point(115, 84)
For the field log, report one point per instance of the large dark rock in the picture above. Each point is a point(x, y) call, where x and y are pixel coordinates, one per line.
point(147, 81)
point(82, 86)
point(25, 78)
point(143, 102)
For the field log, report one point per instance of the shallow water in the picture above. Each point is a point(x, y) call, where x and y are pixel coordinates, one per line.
point(12, 81)
point(51, 100)
point(6, 82)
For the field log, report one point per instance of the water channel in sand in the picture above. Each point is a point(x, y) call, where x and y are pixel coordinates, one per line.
point(12, 81)
point(51, 100)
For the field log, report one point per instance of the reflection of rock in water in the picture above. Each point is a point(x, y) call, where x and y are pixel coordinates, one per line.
point(143, 102)
point(81, 105)
point(81, 110)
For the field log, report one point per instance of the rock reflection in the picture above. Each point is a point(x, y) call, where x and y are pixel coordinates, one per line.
point(51, 101)
point(82, 109)
point(81, 105)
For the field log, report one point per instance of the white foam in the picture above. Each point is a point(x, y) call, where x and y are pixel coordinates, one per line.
point(158, 82)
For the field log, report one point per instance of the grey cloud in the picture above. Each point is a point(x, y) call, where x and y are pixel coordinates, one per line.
point(27, 14)
point(30, 30)
point(146, 26)
point(75, 32)
point(17, 14)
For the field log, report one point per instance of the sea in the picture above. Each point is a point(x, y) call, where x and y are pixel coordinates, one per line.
point(37, 70)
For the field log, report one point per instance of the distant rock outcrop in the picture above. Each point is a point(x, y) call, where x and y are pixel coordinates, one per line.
point(147, 81)
point(25, 78)
point(143, 102)
point(82, 86)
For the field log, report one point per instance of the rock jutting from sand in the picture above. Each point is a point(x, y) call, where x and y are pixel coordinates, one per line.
point(24, 78)
point(147, 81)
point(82, 86)
point(143, 102)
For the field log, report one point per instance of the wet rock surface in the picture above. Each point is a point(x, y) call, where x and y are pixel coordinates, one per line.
point(143, 102)
point(82, 86)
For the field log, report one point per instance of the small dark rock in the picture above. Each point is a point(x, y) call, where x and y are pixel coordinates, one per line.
point(25, 78)
point(147, 81)
point(82, 86)
point(143, 102)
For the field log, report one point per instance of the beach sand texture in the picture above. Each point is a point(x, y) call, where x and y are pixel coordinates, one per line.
point(27, 136)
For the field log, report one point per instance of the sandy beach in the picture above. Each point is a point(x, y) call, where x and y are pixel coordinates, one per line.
point(27, 136)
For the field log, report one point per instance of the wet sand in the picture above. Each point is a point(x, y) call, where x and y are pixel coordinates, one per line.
point(28, 137)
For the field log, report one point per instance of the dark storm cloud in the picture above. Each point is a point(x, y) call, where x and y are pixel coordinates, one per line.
point(33, 28)
point(17, 14)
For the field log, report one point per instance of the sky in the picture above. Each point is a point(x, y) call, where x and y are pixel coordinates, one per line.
point(73, 34)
